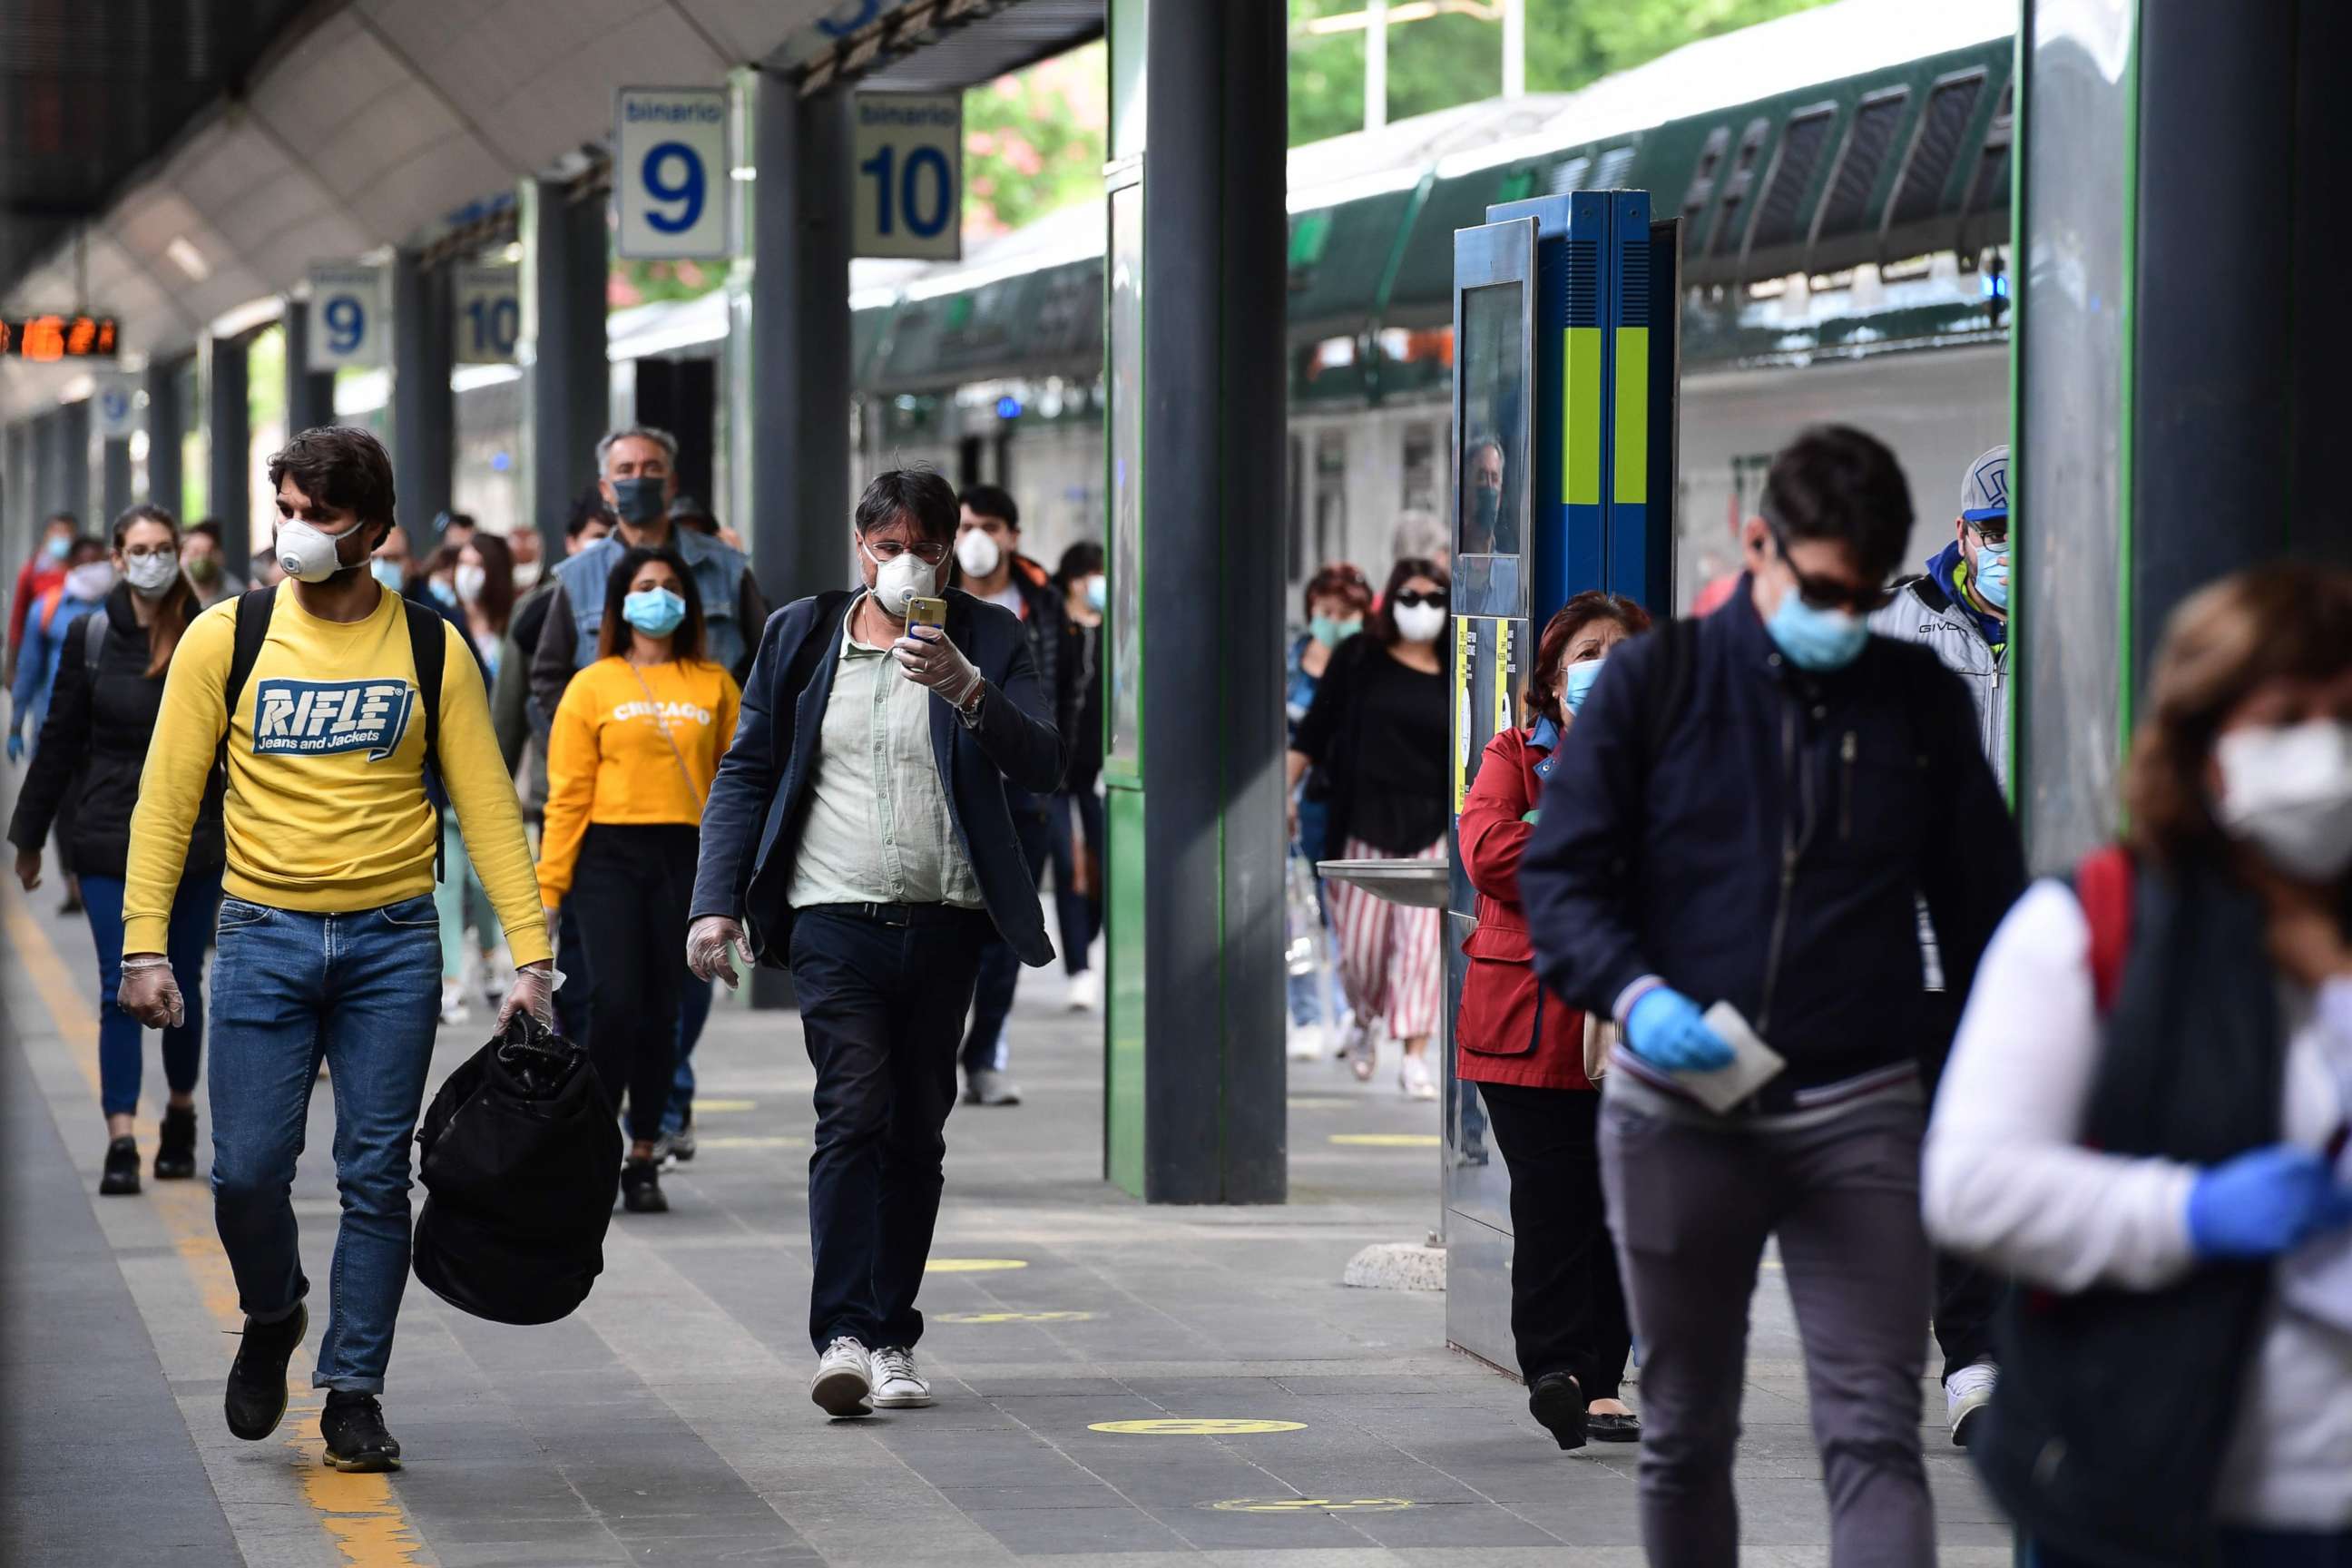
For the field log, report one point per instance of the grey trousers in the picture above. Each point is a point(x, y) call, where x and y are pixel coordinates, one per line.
point(1690, 1206)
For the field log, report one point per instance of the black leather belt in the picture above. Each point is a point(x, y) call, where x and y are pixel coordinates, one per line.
point(896, 914)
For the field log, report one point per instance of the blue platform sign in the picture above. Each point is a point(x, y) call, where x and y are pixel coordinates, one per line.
point(907, 176)
point(114, 407)
point(670, 172)
point(350, 318)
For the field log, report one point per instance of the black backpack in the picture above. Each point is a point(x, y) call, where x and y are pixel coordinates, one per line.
point(521, 1162)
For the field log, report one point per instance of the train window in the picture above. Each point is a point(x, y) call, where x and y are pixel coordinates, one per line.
point(1568, 178)
point(1935, 149)
point(1790, 178)
point(1702, 182)
point(1614, 164)
point(1730, 210)
point(1859, 162)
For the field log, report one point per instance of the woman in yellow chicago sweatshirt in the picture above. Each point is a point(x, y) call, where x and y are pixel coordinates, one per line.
point(634, 744)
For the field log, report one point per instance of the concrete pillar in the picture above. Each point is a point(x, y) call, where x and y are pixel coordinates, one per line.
point(561, 351)
point(16, 510)
point(73, 443)
point(1197, 1098)
point(799, 341)
point(114, 479)
point(228, 428)
point(424, 410)
point(309, 394)
point(165, 425)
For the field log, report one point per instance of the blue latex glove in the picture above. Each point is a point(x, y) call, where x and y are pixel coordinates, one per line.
point(2263, 1203)
point(1665, 1027)
point(15, 747)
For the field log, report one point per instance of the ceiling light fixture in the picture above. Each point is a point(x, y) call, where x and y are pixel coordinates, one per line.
point(188, 259)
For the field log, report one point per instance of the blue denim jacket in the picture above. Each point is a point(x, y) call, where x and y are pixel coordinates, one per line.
point(717, 577)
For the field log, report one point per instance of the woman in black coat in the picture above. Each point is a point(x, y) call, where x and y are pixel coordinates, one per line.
point(93, 747)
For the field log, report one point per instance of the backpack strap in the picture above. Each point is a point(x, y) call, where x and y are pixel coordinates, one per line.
point(253, 608)
point(93, 643)
point(1667, 692)
point(428, 649)
point(2103, 886)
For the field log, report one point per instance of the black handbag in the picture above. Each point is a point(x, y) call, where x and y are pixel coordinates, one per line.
point(522, 1163)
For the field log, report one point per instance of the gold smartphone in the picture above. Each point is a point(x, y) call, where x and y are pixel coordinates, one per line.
point(927, 613)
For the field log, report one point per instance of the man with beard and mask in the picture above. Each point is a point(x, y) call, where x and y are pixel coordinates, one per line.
point(1735, 840)
point(637, 474)
point(1958, 610)
point(206, 568)
point(987, 549)
point(860, 831)
point(1487, 530)
point(329, 696)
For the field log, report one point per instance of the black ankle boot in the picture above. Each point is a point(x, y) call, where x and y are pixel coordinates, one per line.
point(176, 1150)
point(641, 1187)
point(121, 1172)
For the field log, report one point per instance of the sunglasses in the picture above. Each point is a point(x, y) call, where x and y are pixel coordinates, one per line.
point(1411, 598)
point(1826, 593)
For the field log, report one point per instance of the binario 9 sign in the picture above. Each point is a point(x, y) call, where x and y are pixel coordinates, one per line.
point(670, 172)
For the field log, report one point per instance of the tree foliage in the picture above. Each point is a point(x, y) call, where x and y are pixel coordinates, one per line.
point(1455, 58)
point(1033, 142)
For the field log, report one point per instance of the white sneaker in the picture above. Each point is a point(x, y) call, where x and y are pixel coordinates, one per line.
point(896, 1386)
point(1415, 1079)
point(1967, 1392)
point(452, 1002)
point(1305, 1042)
point(843, 1383)
point(1086, 992)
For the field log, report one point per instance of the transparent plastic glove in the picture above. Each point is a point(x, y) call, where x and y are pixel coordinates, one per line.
point(930, 659)
point(533, 992)
point(149, 992)
point(713, 945)
point(1665, 1027)
point(2263, 1203)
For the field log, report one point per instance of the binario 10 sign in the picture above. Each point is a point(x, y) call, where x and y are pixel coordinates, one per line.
point(670, 172)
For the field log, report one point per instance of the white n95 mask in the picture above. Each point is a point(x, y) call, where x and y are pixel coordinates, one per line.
point(2288, 791)
point(905, 576)
point(305, 554)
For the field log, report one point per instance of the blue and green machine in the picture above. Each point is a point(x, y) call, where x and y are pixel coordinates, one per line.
point(1564, 401)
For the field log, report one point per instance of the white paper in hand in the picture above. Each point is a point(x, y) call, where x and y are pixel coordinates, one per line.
point(1754, 1064)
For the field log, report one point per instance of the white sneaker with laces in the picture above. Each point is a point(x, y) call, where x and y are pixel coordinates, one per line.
point(452, 1002)
point(1415, 1079)
point(1086, 992)
point(896, 1384)
point(843, 1383)
point(1967, 1392)
point(1304, 1043)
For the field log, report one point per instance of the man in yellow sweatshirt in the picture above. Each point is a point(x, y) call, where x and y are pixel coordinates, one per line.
point(328, 946)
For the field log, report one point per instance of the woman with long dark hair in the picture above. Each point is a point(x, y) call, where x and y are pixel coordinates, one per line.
point(635, 745)
point(2145, 1113)
point(1376, 729)
point(93, 747)
point(1527, 1051)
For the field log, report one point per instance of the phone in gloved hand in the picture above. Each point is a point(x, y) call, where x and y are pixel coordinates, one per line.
point(932, 613)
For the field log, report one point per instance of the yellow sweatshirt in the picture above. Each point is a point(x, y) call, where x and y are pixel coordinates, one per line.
point(607, 760)
point(326, 808)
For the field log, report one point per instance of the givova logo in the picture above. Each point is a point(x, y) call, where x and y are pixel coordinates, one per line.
point(316, 718)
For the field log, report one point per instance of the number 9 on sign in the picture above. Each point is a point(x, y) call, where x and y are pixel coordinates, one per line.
point(673, 172)
point(346, 321)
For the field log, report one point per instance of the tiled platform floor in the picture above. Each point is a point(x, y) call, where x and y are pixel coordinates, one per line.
point(667, 1422)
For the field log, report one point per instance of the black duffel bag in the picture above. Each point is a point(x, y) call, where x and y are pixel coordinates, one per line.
point(522, 1163)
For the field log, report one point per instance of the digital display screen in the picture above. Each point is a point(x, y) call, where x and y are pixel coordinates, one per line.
point(56, 337)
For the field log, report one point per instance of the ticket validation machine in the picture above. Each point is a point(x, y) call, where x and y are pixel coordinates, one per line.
point(1564, 408)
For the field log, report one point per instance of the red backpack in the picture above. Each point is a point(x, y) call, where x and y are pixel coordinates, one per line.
point(2103, 886)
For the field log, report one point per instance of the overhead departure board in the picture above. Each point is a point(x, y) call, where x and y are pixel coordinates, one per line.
point(54, 337)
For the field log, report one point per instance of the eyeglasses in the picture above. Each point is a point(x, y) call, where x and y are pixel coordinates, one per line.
point(1996, 535)
point(1409, 597)
point(1826, 593)
point(885, 550)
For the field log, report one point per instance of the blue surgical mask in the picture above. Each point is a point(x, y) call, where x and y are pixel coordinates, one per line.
point(1816, 639)
point(657, 612)
point(387, 573)
point(442, 592)
point(1331, 631)
point(1991, 575)
point(1097, 592)
point(1576, 685)
point(58, 546)
point(639, 501)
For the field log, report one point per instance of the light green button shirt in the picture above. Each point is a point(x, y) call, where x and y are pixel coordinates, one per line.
point(877, 829)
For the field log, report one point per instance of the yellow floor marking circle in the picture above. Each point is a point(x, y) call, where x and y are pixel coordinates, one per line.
point(1195, 1426)
point(1009, 1317)
point(972, 1264)
point(1310, 1505)
point(1387, 1140)
point(778, 1141)
point(723, 1107)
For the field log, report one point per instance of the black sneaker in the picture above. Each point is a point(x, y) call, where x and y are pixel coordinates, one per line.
point(176, 1150)
point(352, 1425)
point(641, 1187)
point(1557, 1402)
point(121, 1172)
point(256, 1403)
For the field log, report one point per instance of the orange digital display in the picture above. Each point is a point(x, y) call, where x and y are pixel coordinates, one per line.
point(56, 337)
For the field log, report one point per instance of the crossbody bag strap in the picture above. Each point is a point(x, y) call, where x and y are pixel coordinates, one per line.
point(676, 755)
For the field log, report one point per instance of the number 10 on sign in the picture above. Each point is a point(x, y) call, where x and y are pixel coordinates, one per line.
point(909, 176)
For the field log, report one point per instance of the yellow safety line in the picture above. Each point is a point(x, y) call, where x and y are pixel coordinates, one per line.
point(362, 1514)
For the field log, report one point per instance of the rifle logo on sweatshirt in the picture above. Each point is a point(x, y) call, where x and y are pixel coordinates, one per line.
point(317, 718)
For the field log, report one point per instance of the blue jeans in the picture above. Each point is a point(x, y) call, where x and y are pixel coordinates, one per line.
point(693, 1014)
point(121, 1052)
point(363, 991)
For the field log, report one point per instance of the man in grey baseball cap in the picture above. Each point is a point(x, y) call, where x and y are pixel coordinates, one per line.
point(1959, 609)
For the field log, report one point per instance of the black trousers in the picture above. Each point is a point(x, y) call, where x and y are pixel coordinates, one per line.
point(1000, 966)
point(630, 894)
point(1568, 1310)
point(1967, 1299)
point(883, 991)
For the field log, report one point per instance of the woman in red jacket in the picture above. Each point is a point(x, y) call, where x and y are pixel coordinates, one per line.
point(1524, 1047)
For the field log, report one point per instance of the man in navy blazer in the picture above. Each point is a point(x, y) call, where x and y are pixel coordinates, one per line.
point(858, 833)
